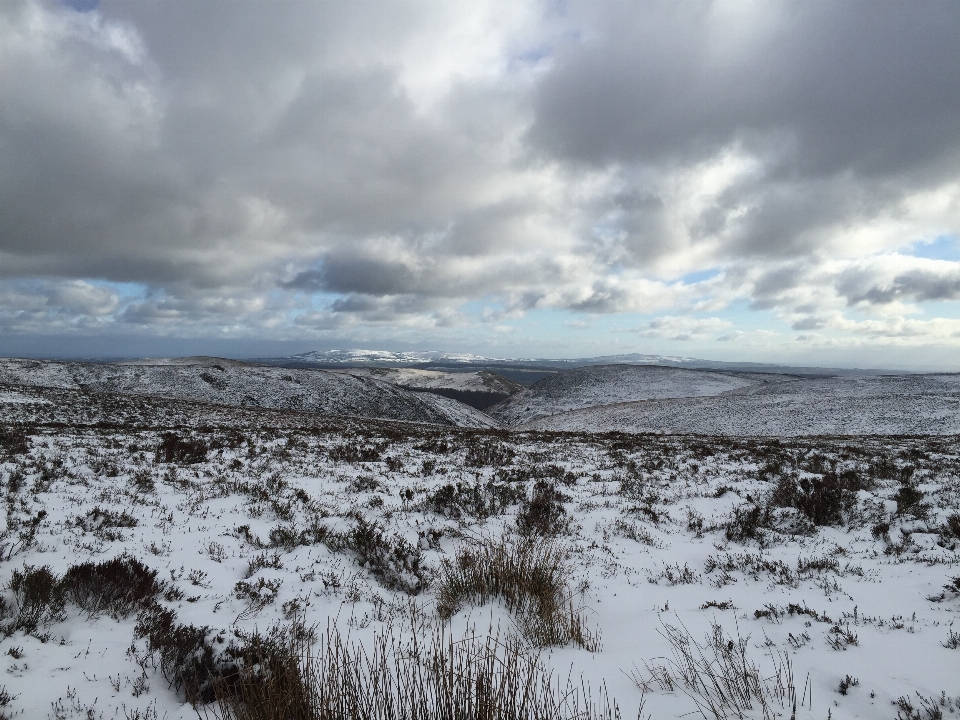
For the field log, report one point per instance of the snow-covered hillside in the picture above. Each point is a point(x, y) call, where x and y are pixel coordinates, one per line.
point(232, 383)
point(482, 381)
point(148, 543)
point(385, 358)
point(892, 405)
point(606, 384)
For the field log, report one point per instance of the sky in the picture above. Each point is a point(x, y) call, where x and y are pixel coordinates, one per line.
point(751, 181)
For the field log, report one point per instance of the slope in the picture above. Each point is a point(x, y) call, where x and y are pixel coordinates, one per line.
point(599, 385)
point(885, 405)
point(233, 383)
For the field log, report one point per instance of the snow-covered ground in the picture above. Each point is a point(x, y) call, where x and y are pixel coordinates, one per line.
point(386, 357)
point(831, 551)
point(226, 382)
point(644, 399)
point(898, 404)
point(481, 381)
point(605, 384)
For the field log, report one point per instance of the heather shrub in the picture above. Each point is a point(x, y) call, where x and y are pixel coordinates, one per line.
point(529, 576)
point(543, 512)
point(175, 449)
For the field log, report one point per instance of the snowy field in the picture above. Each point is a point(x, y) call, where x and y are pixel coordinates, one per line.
point(829, 560)
point(641, 399)
point(588, 387)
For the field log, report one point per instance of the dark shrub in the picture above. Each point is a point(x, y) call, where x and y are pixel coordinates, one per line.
point(119, 586)
point(473, 499)
point(909, 502)
point(39, 597)
point(393, 561)
point(435, 445)
point(488, 453)
point(14, 441)
point(143, 480)
point(269, 677)
point(543, 514)
point(355, 452)
point(174, 449)
point(186, 657)
point(822, 500)
point(746, 522)
point(366, 483)
point(952, 525)
point(99, 518)
point(887, 469)
point(546, 471)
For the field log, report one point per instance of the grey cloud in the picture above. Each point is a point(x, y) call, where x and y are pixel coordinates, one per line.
point(917, 285)
point(332, 149)
point(808, 323)
point(235, 158)
point(358, 275)
point(773, 283)
point(847, 110)
point(858, 88)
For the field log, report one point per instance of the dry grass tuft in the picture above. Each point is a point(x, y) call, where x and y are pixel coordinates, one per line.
point(720, 677)
point(440, 678)
point(529, 576)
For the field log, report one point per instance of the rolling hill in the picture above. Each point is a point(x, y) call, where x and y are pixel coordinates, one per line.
point(217, 381)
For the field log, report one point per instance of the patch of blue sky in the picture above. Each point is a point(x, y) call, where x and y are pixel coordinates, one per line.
point(481, 307)
point(938, 309)
point(126, 290)
point(322, 301)
point(553, 332)
point(566, 333)
point(944, 247)
point(528, 58)
point(699, 276)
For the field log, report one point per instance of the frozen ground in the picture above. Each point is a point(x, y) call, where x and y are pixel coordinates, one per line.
point(673, 400)
point(833, 551)
point(482, 381)
point(605, 384)
point(212, 380)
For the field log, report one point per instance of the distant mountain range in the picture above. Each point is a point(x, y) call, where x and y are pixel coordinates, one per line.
point(528, 370)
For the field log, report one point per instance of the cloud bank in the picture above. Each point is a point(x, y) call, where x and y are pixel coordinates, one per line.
point(430, 173)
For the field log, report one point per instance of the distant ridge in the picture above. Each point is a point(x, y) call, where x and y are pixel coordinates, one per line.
point(430, 359)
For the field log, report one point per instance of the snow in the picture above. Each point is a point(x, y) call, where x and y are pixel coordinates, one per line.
point(647, 531)
point(606, 384)
point(280, 470)
point(386, 357)
point(233, 383)
point(908, 404)
point(10, 397)
point(482, 381)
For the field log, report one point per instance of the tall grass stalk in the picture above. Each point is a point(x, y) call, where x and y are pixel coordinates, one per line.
point(436, 677)
point(721, 678)
point(530, 576)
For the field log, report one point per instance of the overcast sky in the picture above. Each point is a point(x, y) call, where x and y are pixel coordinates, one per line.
point(728, 180)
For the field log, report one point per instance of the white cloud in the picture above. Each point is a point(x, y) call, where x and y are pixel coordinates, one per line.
point(684, 327)
point(275, 169)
